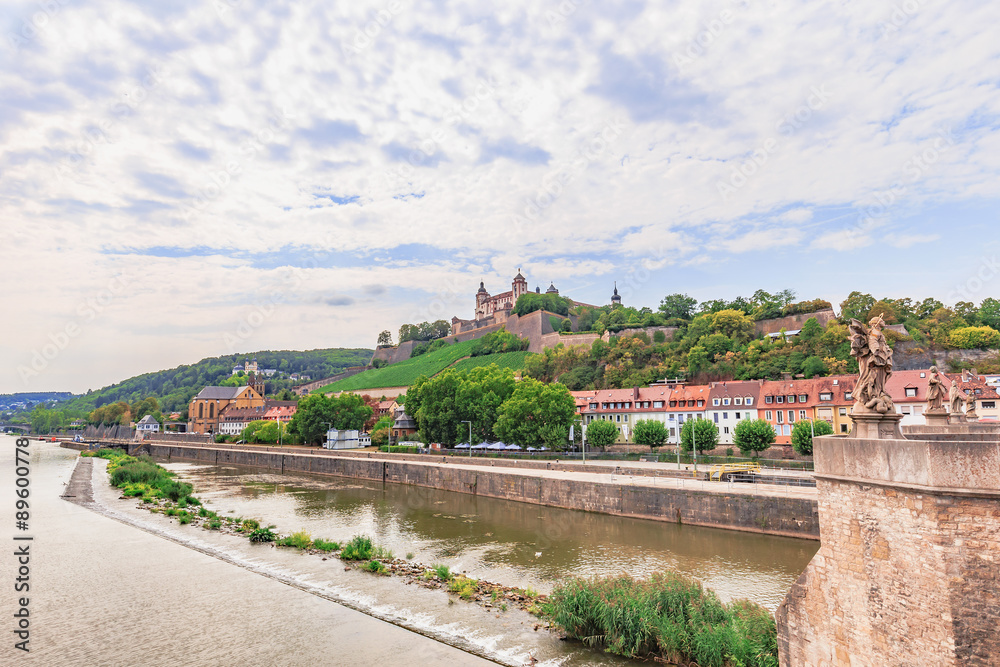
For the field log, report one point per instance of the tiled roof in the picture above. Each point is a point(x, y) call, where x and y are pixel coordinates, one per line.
point(148, 419)
point(218, 393)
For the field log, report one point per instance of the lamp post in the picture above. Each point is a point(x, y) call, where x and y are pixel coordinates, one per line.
point(466, 421)
point(328, 426)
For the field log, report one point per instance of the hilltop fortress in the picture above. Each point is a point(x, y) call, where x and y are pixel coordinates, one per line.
point(496, 309)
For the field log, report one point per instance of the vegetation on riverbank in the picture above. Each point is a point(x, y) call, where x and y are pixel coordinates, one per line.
point(669, 617)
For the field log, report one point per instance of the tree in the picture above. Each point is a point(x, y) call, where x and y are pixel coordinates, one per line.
point(989, 312)
point(968, 338)
point(537, 413)
point(857, 305)
point(317, 413)
point(678, 305)
point(732, 323)
point(385, 339)
point(380, 437)
point(650, 432)
point(813, 366)
point(927, 307)
point(886, 309)
point(705, 434)
point(753, 435)
point(601, 433)
point(802, 434)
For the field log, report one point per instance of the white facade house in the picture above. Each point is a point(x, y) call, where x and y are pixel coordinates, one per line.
point(147, 424)
point(343, 439)
point(729, 404)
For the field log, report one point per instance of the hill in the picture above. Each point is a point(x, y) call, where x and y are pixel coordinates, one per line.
point(405, 372)
point(175, 387)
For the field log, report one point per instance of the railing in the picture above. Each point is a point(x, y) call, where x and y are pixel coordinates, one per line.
point(718, 471)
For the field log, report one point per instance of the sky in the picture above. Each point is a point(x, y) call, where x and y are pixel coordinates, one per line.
point(188, 179)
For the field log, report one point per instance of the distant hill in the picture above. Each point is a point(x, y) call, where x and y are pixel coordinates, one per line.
point(17, 401)
point(175, 387)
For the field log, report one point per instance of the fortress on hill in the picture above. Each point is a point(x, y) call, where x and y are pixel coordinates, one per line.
point(495, 309)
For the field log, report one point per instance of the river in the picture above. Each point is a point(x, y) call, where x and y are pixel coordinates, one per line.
point(110, 593)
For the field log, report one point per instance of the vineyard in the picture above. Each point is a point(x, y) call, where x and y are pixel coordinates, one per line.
point(405, 372)
point(513, 360)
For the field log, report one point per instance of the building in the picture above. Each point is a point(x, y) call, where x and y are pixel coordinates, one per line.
point(281, 411)
point(403, 426)
point(985, 393)
point(342, 439)
point(205, 409)
point(234, 419)
point(624, 407)
point(731, 403)
point(908, 390)
point(685, 402)
point(147, 425)
point(834, 397)
point(783, 403)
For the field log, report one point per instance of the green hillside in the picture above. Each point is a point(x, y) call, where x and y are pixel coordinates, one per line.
point(405, 372)
point(175, 387)
point(513, 360)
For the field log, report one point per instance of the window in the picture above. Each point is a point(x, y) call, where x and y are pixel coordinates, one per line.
point(738, 400)
point(843, 412)
point(725, 401)
point(626, 418)
point(911, 391)
point(769, 399)
point(673, 404)
point(737, 416)
point(786, 430)
point(725, 429)
point(826, 396)
point(780, 399)
point(768, 415)
point(989, 405)
point(725, 415)
point(715, 401)
point(657, 404)
point(791, 398)
point(749, 400)
point(618, 418)
point(843, 428)
point(211, 410)
point(715, 417)
point(201, 410)
point(781, 417)
point(849, 396)
point(593, 406)
point(802, 414)
point(791, 416)
point(802, 398)
point(701, 403)
point(906, 409)
point(690, 404)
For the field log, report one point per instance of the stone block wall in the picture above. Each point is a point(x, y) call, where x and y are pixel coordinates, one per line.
point(909, 567)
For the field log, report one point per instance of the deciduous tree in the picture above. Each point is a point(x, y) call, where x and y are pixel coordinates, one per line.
point(753, 436)
point(601, 433)
point(650, 432)
point(802, 434)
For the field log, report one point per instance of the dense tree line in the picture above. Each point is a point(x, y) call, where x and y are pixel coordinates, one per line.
point(423, 332)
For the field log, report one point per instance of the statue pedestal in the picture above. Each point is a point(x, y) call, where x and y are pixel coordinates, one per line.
point(936, 417)
point(876, 426)
point(971, 417)
point(956, 418)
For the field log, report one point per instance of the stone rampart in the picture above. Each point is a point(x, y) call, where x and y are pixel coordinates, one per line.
point(909, 566)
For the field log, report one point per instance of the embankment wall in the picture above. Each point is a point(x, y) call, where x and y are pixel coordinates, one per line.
point(774, 515)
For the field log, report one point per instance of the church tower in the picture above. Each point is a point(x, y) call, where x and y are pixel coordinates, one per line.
point(256, 382)
point(616, 299)
point(481, 297)
point(519, 286)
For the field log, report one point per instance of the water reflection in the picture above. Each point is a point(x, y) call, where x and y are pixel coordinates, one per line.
point(509, 542)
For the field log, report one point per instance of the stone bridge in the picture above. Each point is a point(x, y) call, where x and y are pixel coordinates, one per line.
point(15, 427)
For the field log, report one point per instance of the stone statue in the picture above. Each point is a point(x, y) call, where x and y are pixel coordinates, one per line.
point(970, 407)
point(874, 357)
point(935, 391)
point(956, 397)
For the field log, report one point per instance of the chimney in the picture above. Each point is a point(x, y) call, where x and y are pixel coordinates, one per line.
point(635, 393)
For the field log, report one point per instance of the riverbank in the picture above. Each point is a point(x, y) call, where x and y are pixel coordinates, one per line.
point(758, 508)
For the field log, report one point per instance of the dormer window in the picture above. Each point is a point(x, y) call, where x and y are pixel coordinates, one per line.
point(791, 398)
point(802, 398)
point(749, 400)
point(715, 401)
point(769, 399)
point(725, 401)
point(911, 392)
point(738, 400)
point(849, 396)
point(780, 399)
point(826, 396)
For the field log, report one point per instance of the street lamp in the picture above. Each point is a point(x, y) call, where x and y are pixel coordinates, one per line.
point(328, 425)
point(466, 421)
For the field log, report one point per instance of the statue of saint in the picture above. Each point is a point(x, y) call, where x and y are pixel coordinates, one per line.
point(956, 397)
point(970, 405)
point(874, 357)
point(935, 391)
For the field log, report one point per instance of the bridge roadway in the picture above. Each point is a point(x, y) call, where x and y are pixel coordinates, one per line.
point(645, 474)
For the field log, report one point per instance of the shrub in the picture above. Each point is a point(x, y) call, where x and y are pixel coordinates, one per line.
point(361, 547)
point(669, 616)
point(465, 587)
point(601, 433)
point(249, 525)
point(263, 535)
point(324, 545)
point(215, 524)
point(802, 434)
point(184, 517)
point(299, 540)
point(374, 566)
point(443, 572)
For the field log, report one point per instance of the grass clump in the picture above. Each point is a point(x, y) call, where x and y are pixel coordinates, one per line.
point(184, 517)
point(361, 547)
point(443, 572)
point(409, 555)
point(324, 545)
point(249, 525)
point(214, 524)
point(669, 616)
point(299, 540)
point(374, 567)
point(465, 587)
point(263, 534)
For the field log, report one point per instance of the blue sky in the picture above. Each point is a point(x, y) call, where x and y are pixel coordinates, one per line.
point(205, 178)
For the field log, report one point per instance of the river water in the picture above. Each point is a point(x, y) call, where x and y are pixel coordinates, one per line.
point(110, 593)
